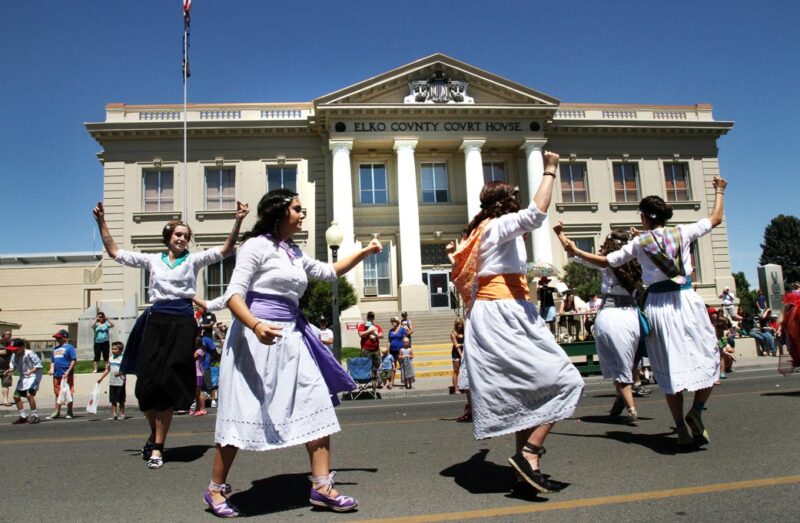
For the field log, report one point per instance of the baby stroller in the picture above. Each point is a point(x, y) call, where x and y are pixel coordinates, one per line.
point(360, 370)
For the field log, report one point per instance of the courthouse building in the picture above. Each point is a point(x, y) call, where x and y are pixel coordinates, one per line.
point(402, 156)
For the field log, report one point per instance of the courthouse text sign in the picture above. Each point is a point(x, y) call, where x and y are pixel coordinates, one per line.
point(477, 126)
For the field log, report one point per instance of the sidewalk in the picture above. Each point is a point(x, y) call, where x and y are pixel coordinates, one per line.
point(746, 357)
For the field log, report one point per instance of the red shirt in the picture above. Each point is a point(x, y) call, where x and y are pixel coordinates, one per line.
point(371, 342)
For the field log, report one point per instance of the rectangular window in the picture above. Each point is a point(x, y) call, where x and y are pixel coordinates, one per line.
point(585, 244)
point(218, 275)
point(145, 287)
point(372, 180)
point(378, 273)
point(284, 177)
point(626, 182)
point(694, 252)
point(220, 189)
point(158, 193)
point(573, 183)
point(676, 180)
point(434, 182)
point(494, 171)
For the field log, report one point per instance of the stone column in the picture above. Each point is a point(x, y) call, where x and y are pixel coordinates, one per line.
point(413, 293)
point(541, 237)
point(343, 198)
point(474, 174)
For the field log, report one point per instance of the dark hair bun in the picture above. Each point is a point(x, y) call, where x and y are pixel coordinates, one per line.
point(655, 208)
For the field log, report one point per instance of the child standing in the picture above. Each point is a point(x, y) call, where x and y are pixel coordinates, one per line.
point(200, 399)
point(116, 383)
point(407, 363)
point(30, 376)
point(386, 370)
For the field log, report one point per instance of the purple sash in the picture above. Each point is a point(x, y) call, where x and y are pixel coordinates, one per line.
point(278, 308)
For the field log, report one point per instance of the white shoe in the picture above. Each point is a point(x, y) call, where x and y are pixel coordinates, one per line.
point(214, 404)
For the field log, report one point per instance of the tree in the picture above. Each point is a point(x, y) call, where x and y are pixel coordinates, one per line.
point(747, 298)
point(583, 280)
point(782, 246)
point(318, 299)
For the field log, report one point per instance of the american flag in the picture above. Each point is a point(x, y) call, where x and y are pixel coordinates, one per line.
point(187, 6)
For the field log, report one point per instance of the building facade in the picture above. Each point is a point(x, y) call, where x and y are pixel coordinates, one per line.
point(402, 156)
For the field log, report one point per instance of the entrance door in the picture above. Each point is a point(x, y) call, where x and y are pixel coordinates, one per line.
point(438, 283)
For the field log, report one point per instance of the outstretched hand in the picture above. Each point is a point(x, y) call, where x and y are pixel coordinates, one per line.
point(99, 212)
point(375, 246)
point(450, 247)
point(550, 161)
point(634, 231)
point(719, 183)
point(558, 228)
point(242, 210)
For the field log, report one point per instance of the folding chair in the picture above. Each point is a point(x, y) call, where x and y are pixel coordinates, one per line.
point(360, 370)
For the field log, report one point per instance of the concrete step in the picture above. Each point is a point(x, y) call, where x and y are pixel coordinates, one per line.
point(429, 326)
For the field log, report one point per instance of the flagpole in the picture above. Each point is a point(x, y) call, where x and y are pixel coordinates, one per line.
point(185, 116)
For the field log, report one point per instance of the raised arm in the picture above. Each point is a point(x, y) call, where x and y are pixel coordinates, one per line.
point(719, 200)
point(545, 191)
point(344, 265)
point(108, 242)
point(565, 242)
point(230, 242)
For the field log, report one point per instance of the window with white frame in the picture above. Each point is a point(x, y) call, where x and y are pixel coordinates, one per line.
point(220, 189)
point(282, 177)
point(626, 182)
point(218, 275)
point(372, 183)
point(378, 273)
point(494, 171)
point(676, 182)
point(573, 182)
point(694, 253)
point(158, 191)
point(434, 182)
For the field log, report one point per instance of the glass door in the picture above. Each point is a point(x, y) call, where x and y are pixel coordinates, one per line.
point(438, 283)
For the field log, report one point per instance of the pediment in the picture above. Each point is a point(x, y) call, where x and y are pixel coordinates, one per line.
point(436, 80)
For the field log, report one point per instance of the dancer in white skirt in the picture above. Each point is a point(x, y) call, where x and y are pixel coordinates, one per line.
point(616, 327)
point(521, 380)
point(682, 346)
point(278, 383)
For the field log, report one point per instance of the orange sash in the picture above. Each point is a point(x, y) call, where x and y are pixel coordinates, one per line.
point(466, 263)
point(503, 287)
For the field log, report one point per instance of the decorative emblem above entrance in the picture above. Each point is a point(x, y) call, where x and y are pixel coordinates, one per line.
point(438, 89)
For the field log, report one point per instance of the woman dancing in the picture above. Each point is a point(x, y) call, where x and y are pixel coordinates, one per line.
point(278, 383)
point(520, 379)
point(457, 350)
point(165, 360)
point(616, 327)
point(682, 346)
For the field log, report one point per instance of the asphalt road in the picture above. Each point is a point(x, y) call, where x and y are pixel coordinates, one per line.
point(407, 459)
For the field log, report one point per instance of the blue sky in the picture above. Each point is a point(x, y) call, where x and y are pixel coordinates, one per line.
point(63, 61)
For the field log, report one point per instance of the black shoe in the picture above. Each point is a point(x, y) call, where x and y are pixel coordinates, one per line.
point(534, 478)
point(616, 408)
point(147, 450)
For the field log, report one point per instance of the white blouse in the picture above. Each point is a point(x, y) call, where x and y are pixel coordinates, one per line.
point(264, 267)
point(650, 273)
point(609, 284)
point(502, 249)
point(170, 283)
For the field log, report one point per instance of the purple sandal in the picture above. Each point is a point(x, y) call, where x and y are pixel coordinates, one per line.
point(222, 510)
point(338, 504)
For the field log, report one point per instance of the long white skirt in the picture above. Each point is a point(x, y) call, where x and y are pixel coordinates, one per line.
point(519, 376)
point(616, 333)
point(271, 396)
point(682, 346)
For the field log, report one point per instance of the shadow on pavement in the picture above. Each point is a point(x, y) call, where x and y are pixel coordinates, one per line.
point(478, 476)
point(607, 419)
point(662, 443)
point(280, 493)
point(185, 454)
point(790, 393)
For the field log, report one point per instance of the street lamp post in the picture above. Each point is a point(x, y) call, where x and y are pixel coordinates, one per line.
point(334, 236)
